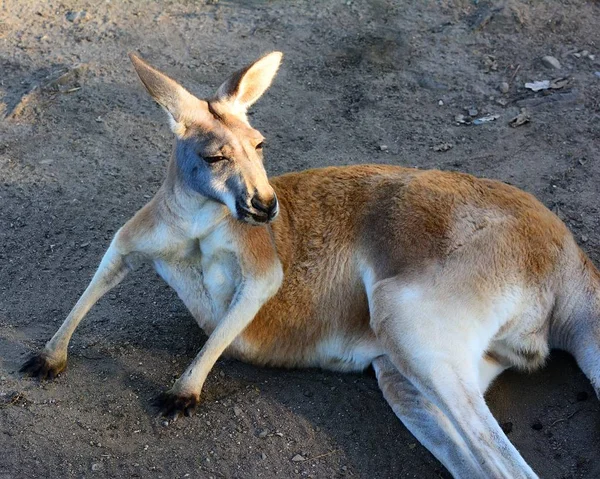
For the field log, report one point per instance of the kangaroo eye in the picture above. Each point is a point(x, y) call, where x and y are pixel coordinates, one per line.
point(214, 159)
point(260, 146)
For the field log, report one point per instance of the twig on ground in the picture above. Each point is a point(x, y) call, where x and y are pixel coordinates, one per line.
point(565, 418)
point(323, 455)
point(512, 77)
point(13, 400)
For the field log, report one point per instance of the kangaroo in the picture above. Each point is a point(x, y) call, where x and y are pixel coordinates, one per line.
point(438, 280)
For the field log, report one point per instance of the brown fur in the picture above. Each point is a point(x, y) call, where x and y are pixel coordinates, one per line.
point(430, 218)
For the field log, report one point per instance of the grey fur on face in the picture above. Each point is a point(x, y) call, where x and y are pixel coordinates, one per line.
point(219, 181)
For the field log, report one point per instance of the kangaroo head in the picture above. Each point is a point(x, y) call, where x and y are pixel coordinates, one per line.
point(217, 153)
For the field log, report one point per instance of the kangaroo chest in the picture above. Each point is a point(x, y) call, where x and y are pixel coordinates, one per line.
point(205, 273)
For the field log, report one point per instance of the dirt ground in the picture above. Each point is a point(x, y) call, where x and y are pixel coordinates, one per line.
point(82, 147)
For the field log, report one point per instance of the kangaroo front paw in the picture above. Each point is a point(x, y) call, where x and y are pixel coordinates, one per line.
point(172, 405)
point(42, 367)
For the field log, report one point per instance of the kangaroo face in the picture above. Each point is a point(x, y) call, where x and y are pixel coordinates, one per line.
point(218, 154)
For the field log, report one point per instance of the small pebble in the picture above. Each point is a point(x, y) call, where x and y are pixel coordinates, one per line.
point(551, 62)
point(507, 427)
point(442, 147)
point(298, 458)
point(96, 466)
point(473, 111)
point(264, 433)
point(537, 426)
point(263, 456)
point(165, 423)
point(237, 410)
point(582, 396)
point(441, 102)
point(76, 16)
point(383, 147)
point(461, 119)
point(504, 87)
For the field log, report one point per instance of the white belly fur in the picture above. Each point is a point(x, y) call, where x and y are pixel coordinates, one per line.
point(347, 354)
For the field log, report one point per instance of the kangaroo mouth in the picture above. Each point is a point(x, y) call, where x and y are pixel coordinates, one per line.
point(251, 216)
point(254, 217)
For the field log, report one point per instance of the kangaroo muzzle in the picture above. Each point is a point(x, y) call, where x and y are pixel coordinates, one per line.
point(261, 210)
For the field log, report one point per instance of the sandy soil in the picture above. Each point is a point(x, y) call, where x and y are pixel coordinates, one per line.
point(363, 81)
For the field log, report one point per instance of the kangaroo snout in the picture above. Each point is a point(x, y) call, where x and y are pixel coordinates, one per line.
point(262, 209)
point(267, 206)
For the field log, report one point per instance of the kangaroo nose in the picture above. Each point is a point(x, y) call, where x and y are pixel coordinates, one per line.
point(268, 207)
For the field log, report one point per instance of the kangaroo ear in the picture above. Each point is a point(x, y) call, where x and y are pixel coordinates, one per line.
point(169, 94)
point(246, 86)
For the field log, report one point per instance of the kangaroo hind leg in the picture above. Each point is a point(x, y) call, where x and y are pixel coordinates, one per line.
point(425, 421)
point(438, 348)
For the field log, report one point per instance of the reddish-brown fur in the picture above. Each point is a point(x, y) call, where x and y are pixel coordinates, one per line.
point(405, 220)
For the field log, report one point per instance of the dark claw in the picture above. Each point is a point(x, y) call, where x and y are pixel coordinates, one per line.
point(173, 405)
point(40, 367)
